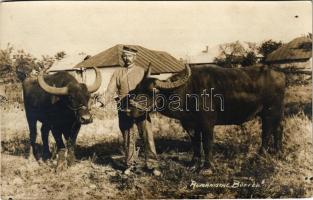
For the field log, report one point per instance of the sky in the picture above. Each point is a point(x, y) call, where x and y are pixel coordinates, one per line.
point(180, 28)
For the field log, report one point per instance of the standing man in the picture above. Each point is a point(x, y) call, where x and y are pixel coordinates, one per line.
point(122, 82)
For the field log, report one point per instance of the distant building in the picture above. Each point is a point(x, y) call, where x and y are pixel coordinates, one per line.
point(202, 57)
point(297, 53)
point(68, 63)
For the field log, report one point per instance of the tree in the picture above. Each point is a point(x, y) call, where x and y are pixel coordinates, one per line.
point(16, 65)
point(268, 47)
point(249, 59)
point(24, 64)
point(230, 54)
point(5, 57)
point(45, 63)
point(60, 55)
point(235, 54)
point(7, 67)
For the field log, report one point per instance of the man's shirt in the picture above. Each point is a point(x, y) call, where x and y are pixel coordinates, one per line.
point(123, 81)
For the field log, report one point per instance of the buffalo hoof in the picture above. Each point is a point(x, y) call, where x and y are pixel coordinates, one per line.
point(194, 168)
point(207, 169)
point(70, 158)
point(34, 153)
point(279, 154)
point(263, 151)
point(61, 162)
point(48, 162)
point(46, 156)
point(206, 172)
point(31, 157)
point(194, 165)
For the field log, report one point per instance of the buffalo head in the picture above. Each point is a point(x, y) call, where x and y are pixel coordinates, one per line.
point(76, 96)
point(150, 85)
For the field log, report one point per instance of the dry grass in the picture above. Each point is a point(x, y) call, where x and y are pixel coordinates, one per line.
point(299, 97)
point(97, 175)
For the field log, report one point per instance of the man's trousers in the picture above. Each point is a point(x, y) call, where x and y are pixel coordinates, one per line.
point(127, 127)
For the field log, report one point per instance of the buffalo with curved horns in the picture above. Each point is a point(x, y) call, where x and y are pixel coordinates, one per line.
point(61, 104)
point(203, 97)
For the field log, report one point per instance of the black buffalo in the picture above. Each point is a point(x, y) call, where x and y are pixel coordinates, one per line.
point(61, 104)
point(238, 96)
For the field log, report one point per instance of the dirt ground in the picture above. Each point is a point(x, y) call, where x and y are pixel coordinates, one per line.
point(240, 172)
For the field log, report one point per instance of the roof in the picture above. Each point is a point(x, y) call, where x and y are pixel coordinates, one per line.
point(67, 63)
point(161, 62)
point(298, 49)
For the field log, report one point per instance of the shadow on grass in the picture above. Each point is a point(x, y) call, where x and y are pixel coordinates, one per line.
point(110, 152)
point(164, 145)
point(294, 108)
point(103, 153)
point(230, 150)
point(18, 147)
point(177, 150)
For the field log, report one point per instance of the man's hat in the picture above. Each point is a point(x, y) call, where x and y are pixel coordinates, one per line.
point(129, 50)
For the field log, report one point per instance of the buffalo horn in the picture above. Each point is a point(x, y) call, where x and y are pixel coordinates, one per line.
point(174, 84)
point(148, 74)
point(51, 89)
point(96, 85)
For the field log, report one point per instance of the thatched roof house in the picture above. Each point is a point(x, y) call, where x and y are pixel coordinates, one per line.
point(297, 52)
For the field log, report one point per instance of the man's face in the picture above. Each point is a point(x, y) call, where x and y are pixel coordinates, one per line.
point(128, 58)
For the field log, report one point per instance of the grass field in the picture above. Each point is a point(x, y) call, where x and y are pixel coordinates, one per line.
point(98, 175)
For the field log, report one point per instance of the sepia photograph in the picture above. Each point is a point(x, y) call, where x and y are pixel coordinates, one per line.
point(156, 100)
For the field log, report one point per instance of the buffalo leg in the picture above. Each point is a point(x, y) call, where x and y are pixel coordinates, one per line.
point(33, 135)
point(45, 140)
point(195, 137)
point(278, 133)
point(57, 134)
point(71, 143)
point(207, 142)
point(195, 163)
point(61, 164)
point(266, 134)
point(271, 117)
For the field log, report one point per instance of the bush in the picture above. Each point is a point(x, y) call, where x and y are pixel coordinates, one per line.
point(235, 54)
point(16, 65)
point(268, 47)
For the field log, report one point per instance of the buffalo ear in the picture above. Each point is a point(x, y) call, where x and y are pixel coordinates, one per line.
point(54, 99)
